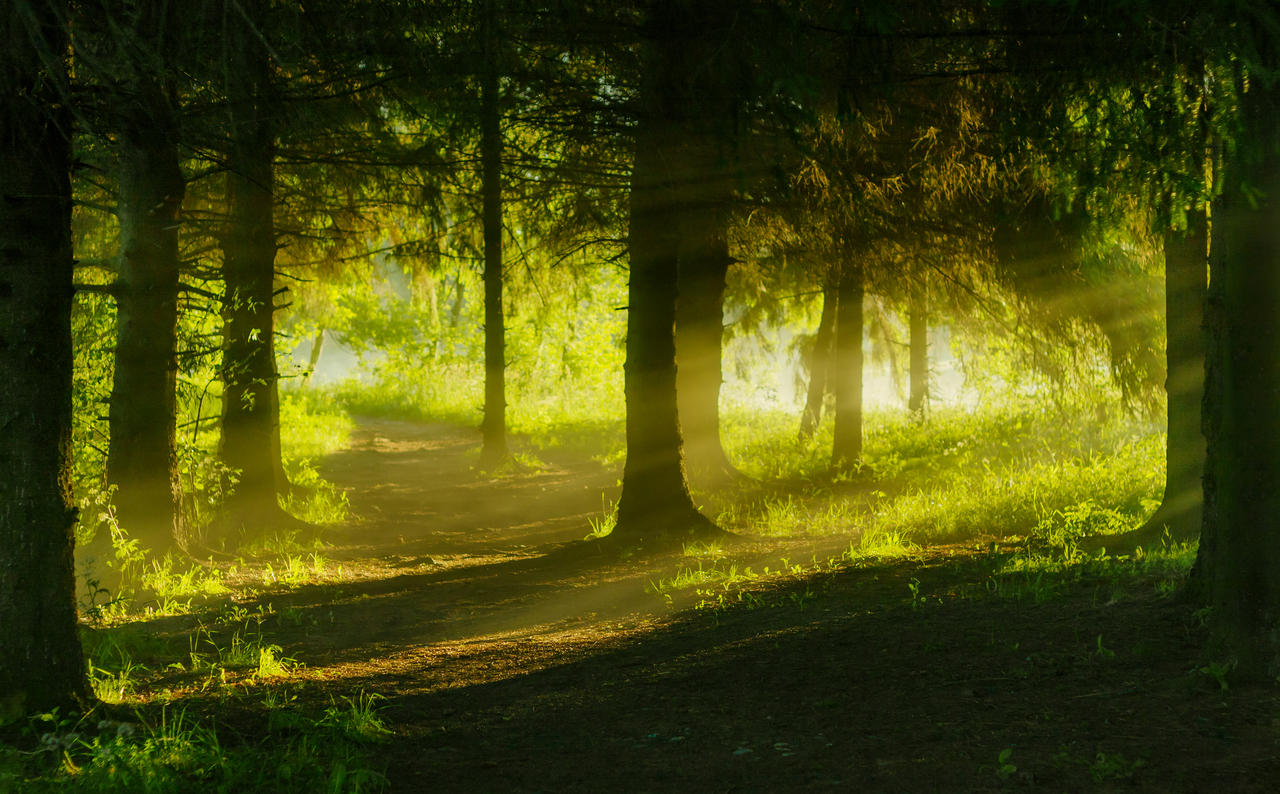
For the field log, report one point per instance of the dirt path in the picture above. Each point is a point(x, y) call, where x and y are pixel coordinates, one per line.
point(510, 665)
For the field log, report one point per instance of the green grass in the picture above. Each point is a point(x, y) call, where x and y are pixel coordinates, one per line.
point(994, 473)
point(175, 750)
point(311, 427)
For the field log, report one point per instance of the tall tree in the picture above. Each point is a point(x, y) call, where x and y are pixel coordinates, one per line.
point(1180, 513)
point(1240, 542)
point(494, 425)
point(143, 417)
point(703, 265)
point(655, 505)
point(710, 150)
point(250, 441)
point(41, 665)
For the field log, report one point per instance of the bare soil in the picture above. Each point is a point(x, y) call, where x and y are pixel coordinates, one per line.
point(515, 659)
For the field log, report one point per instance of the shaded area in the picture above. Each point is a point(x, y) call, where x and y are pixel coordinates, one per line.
point(513, 659)
point(857, 691)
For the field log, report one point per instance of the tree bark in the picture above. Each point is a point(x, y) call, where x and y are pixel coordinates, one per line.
point(918, 331)
point(41, 662)
point(703, 265)
point(846, 450)
point(1185, 277)
point(1240, 544)
point(142, 460)
point(655, 505)
point(250, 441)
point(820, 361)
point(494, 425)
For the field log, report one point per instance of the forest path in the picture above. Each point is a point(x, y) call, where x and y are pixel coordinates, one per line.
point(416, 493)
point(442, 553)
point(444, 560)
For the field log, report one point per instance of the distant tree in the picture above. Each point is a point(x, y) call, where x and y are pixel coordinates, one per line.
point(41, 665)
point(819, 362)
point(918, 341)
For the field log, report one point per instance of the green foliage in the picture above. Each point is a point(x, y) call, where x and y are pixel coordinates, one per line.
point(1062, 532)
point(177, 751)
point(357, 720)
point(1218, 673)
point(1005, 768)
point(604, 523)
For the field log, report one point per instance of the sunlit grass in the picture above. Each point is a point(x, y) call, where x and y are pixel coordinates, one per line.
point(994, 473)
point(880, 544)
point(792, 515)
point(175, 578)
point(604, 523)
point(1013, 498)
point(111, 686)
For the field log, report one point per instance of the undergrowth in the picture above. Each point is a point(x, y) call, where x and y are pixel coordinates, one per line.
point(176, 749)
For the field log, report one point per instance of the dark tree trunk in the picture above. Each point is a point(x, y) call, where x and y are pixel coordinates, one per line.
point(918, 331)
point(703, 265)
point(655, 505)
point(494, 426)
point(846, 449)
point(41, 663)
point(1240, 545)
point(1185, 276)
point(142, 461)
point(250, 440)
point(820, 361)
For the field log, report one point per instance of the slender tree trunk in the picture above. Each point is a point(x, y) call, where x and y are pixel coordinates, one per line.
point(918, 330)
point(655, 505)
point(494, 426)
point(250, 402)
point(1185, 276)
point(703, 265)
point(142, 461)
point(41, 663)
point(820, 361)
point(846, 448)
point(313, 360)
point(1240, 543)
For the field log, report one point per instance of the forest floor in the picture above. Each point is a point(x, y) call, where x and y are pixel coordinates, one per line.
point(512, 660)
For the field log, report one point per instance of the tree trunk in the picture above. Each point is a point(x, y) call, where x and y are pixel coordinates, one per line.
point(250, 402)
point(313, 360)
point(142, 460)
point(846, 449)
point(918, 330)
point(41, 662)
point(1185, 274)
point(820, 361)
point(655, 505)
point(494, 426)
point(703, 265)
point(1240, 545)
